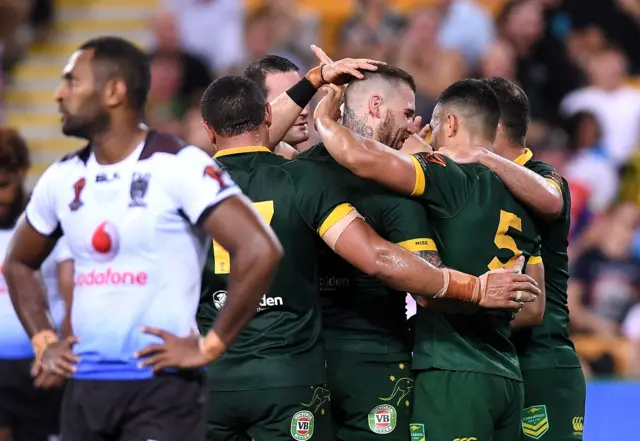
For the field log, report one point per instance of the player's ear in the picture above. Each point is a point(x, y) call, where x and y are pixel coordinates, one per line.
point(211, 134)
point(375, 101)
point(500, 130)
point(114, 92)
point(267, 114)
point(452, 125)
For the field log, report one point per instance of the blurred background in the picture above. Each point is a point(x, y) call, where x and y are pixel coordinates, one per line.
point(578, 61)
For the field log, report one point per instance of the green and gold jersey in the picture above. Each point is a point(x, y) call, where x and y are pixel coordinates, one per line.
point(281, 346)
point(548, 345)
point(479, 226)
point(360, 314)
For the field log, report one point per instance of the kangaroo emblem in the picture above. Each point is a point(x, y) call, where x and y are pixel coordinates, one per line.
point(320, 396)
point(403, 387)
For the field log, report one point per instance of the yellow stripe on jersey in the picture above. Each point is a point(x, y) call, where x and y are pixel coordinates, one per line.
point(338, 213)
point(238, 150)
point(524, 158)
point(418, 189)
point(534, 260)
point(415, 245)
point(554, 183)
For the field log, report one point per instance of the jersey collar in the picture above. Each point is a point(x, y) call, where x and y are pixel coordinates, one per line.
point(238, 150)
point(524, 158)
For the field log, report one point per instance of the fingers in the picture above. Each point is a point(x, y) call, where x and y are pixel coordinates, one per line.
point(36, 368)
point(157, 362)
point(414, 127)
point(527, 289)
point(426, 130)
point(519, 265)
point(150, 350)
point(321, 55)
point(62, 367)
point(155, 331)
point(72, 340)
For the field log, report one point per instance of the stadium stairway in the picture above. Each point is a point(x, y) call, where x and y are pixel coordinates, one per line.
point(29, 100)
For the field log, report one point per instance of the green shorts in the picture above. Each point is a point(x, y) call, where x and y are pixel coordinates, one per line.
point(456, 406)
point(554, 401)
point(370, 398)
point(297, 413)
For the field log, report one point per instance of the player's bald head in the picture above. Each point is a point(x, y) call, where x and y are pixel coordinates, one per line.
point(474, 103)
point(382, 81)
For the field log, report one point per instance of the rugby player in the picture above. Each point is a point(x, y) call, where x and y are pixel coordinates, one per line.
point(26, 412)
point(279, 358)
point(479, 226)
point(275, 75)
point(129, 203)
point(554, 384)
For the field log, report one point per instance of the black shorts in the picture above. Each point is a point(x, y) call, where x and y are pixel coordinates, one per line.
point(163, 408)
point(30, 414)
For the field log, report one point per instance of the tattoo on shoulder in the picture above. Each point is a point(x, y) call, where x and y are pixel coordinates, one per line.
point(432, 257)
point(351, 121)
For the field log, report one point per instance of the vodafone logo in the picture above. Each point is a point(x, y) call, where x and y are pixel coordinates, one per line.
point(112, 278)
point(105, 242)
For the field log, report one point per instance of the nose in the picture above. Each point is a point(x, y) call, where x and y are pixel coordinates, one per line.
point(305, 111)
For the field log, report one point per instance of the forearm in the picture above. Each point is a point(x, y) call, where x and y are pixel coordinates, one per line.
point(253, 266)
point(28, 297)
point(530, 188)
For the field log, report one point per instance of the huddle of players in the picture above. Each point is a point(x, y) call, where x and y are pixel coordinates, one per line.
point(468, 367)
point(272, 382)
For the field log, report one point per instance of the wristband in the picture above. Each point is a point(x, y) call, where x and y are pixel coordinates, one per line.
point(211, 346)
point(316, 77)
point(41, 340)
point(302, 92)
point(462, 286)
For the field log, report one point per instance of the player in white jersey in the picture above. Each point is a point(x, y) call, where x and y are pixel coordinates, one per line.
point(26, 413)
point(135, 207)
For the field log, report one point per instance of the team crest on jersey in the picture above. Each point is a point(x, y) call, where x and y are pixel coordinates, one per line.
point(417, 432)
point(302, 425)
point(219, 299)
point(216, 175)
point(535, 421)
point(382, 419)
point(138, 189)
point(434, 158)
point(77, 191)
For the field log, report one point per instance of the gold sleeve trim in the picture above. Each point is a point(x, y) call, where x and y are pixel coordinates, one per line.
point(418, 189)
point(415, 245)
point(338, 213)
point(534, 260)
point(554, 183)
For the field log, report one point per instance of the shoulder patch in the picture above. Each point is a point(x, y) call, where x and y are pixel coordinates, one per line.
point(158, 142)
point(432, 157)
point(82, 154)
point(556, 178)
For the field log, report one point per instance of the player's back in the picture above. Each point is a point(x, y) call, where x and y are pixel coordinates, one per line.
point(281, 345)
point(479, 227)
point(548, 344)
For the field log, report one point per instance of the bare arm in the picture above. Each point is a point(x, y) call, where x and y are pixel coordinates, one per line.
point(65, 272)
point(255, 254)
point(367, 158)
point(536, 192)
point(533, 312)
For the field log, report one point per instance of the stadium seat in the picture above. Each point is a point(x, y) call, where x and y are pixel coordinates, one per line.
point(593, 347)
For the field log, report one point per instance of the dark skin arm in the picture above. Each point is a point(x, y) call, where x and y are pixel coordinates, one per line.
point(255, 254)
point(532, 313)
point(65, 272)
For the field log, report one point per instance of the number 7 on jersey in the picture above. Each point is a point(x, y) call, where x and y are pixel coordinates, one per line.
point(221, 257)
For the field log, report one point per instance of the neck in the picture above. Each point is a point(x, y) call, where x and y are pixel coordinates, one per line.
point(254, 138)
point(507, 149)
point(118, 141)
point(466, 140)
point(356, 124)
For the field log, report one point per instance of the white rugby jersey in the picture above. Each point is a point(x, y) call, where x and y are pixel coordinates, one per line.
point(138, 253)
point(14, 341)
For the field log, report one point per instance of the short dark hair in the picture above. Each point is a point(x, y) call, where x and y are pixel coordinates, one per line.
point(233, 105)
point(123, 59)
point(478, 99)
point(258, 70)
point(390, 73)
point(515, 111)
point(14, 154)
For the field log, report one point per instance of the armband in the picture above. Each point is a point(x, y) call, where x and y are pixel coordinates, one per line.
point(460, 286)
point(302, 92)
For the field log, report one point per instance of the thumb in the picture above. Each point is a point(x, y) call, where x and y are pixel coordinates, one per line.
point(426, 130)
point(321, 55)
point(519, 265)
point(414, 127)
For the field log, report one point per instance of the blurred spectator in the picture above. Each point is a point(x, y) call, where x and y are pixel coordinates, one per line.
point(373, 32)
point(193, 132)
point(593, 177)
point(499, 60)
point(605, 280)
point(432, 67)
point(166, 104)
point(585, 43)
point(616, 105)
point(466, 27)
point(42, 15)
point(13, 14)
point(194, 75)
point(213, 29)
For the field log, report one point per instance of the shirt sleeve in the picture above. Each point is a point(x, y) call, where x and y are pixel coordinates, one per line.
point(322, 202)
point(442, 183)
point(62, 250)
point(41, 210)
point(405, 222)
point(198, 184)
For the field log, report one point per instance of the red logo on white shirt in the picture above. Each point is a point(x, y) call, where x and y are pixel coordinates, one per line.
point(105, 241)
point(77, 190)
point(111, 277)
point(216, 175)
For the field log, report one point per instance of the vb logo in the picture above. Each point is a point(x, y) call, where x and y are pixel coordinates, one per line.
point(302, 425)
point(473, 438)
point(578, 424)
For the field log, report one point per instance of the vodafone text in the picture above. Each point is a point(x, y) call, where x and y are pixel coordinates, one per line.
point(111, 277)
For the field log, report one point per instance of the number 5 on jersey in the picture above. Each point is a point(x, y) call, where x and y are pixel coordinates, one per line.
point(221, 257)
point(504, 241)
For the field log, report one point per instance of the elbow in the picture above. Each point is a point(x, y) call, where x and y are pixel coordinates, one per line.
point(268, 251)
point(553, 206)
point(378, 264)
